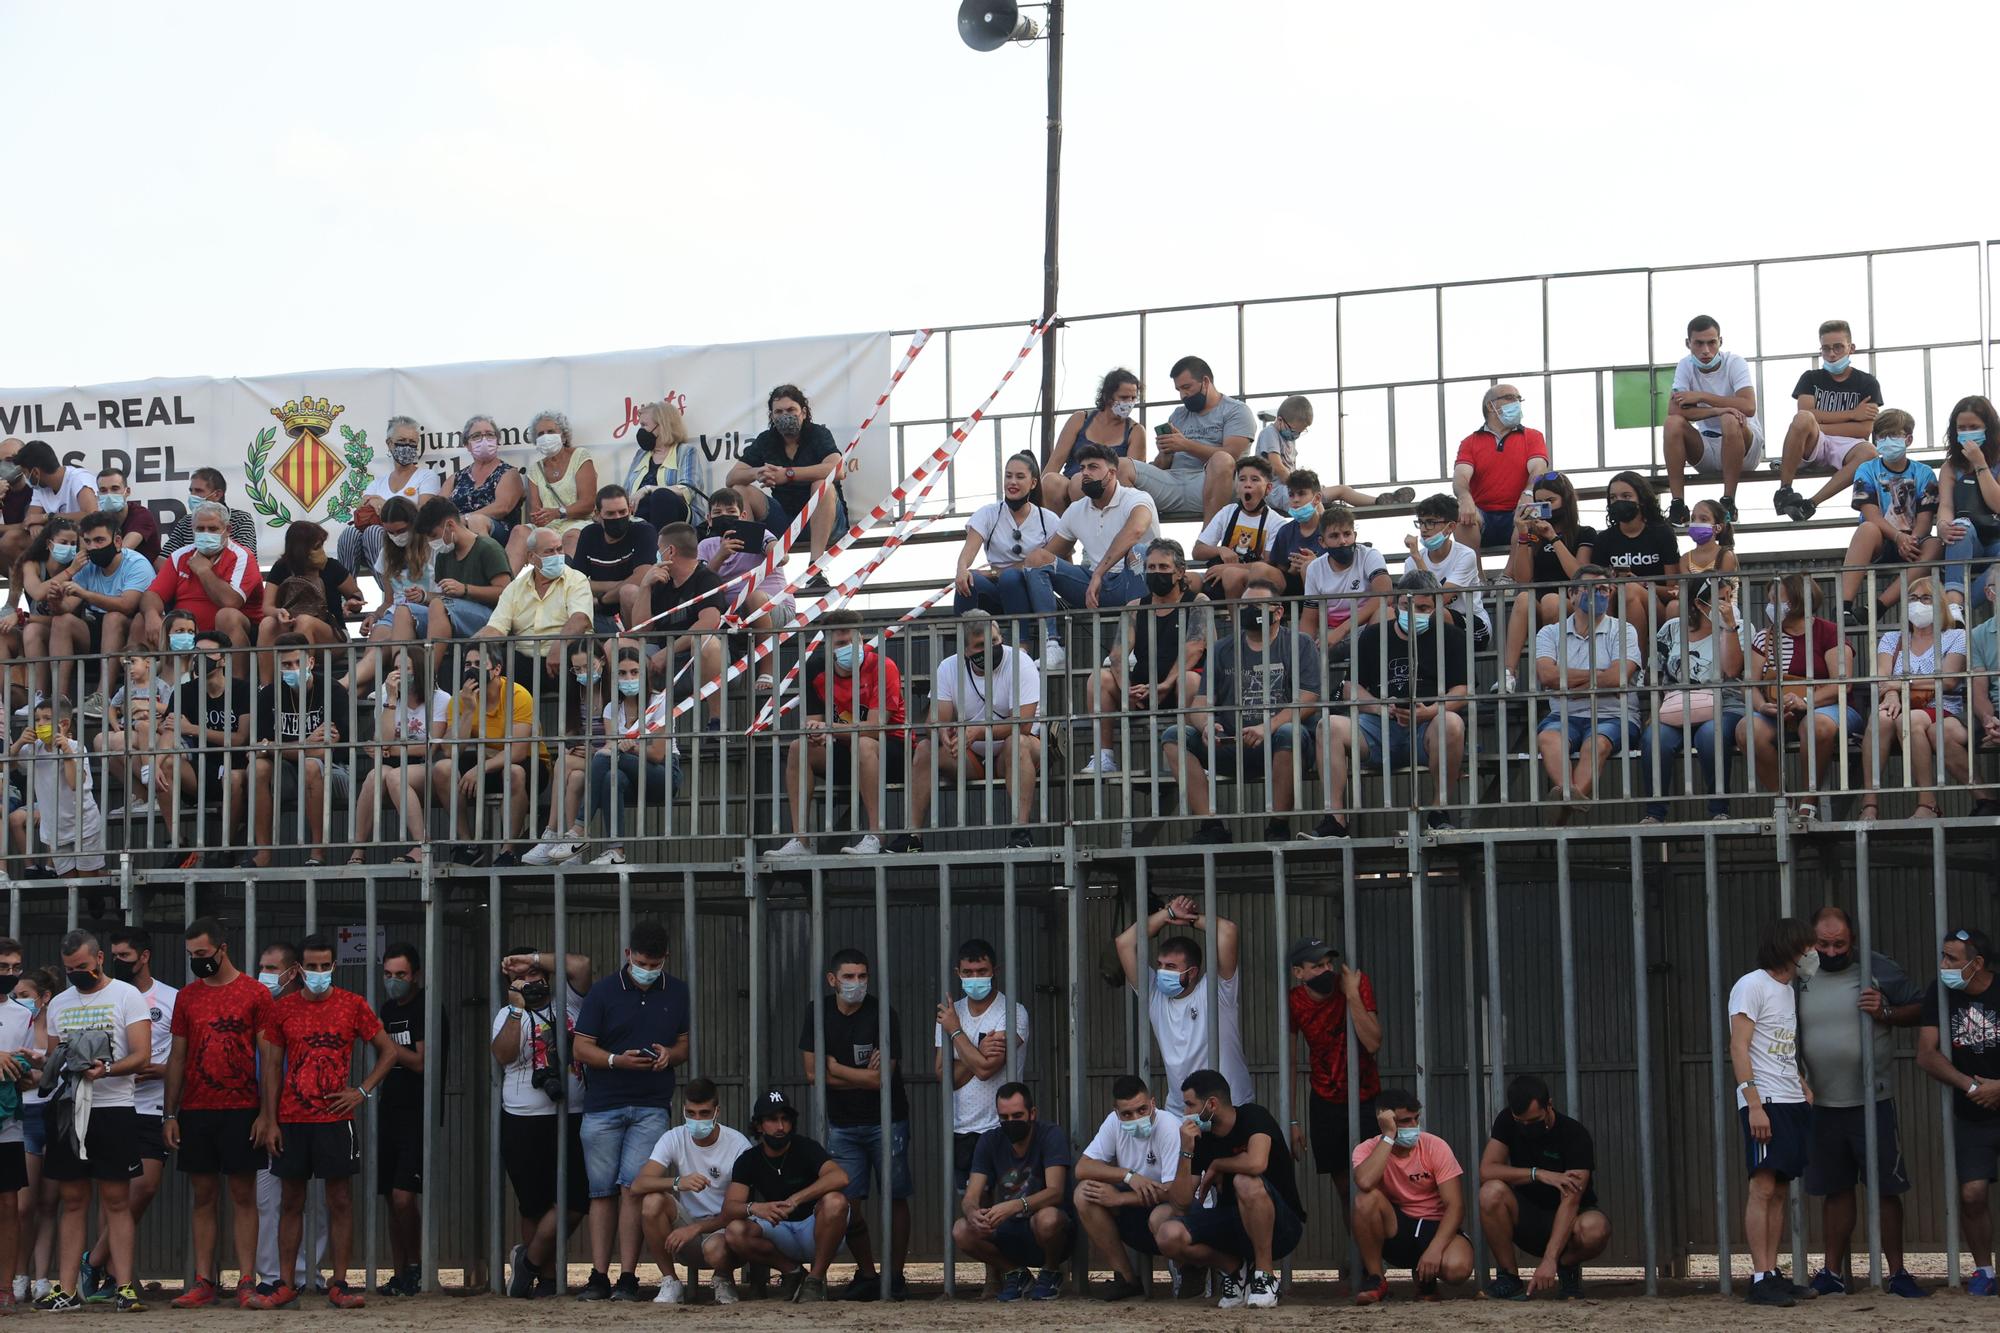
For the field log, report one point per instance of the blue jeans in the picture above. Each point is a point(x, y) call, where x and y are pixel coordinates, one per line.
point(1005, 594)
point(1970, 548)
point(1071, 583)
point(1577, 727)
point(612, 782)
point(1667, 741)
point(617, 1145)
point(795, 1240)
point(858, 1149)
point(467, 616)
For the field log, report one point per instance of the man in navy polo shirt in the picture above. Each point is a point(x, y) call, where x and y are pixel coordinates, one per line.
point(630, 1033)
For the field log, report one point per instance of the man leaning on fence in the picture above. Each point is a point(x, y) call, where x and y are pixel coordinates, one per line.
point(1958, 1044)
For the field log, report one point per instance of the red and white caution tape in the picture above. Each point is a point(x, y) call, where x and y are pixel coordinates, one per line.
point(782, 702)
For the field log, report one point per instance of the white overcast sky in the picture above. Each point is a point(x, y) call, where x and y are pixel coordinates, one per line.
point(242, 189)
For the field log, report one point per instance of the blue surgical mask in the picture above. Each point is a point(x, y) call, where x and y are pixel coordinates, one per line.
point(194, 500)
point(1892, 448)
point(1712, 364)
point(111, 504)
point(1952, 977)
point(181, 641)
point(976, 988)
point(645, 976)
point(853, 992)
point(1838, 367)
point(1167, 980)
point(1413, 624)
point(63, 552)
point(1597, 601)
point(208, 543)
point(292, 677)
point(1408, 1136)
point(1142, 1128)
point(629, 688)
point(30, 1003)
point(587, 677)
point(845, 655)
point(701, 1129)
point(1304, 513)
point(272, 982)
point(1435, 542)
point(1510, 414)
point(319, 983)
point(1973, 437)
point(1204, 1123)
point(552, 566)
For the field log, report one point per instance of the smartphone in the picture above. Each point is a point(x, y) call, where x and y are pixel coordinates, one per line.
point(1163, 429)
point(748, 531)
point(1543, 509)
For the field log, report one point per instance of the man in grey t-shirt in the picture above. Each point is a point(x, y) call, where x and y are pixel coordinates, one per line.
point(1847, 991)
point(1205, 436)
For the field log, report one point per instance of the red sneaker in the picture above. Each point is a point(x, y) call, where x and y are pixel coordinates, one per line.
point(343, 1297)
point(278, 1297)
point(246, 1292)
point(1372, 1290)
point(202, 1293)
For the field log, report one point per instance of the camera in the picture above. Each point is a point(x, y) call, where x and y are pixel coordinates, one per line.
point(549, 1080)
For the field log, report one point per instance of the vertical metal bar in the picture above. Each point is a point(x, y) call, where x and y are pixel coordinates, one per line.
point(753, 888)
point(1940, 925)
point(434, 1058)
point(1566, 920)
point(691, 952)
point(1210, 983)
point(1010, 945)
point(1496, 1023)
point(1340, 405)
point(559, 1025)
point(1642, 1022)
point(884, 1046)
point(1349, 933)
point(1437, 329)
point(816, 960)
point(1280, 934)
point(1419, 970)
point(1871, 1131)
point(1475, 1132)
point(496, 1078)
point(371, 1128)
point(947, 1057)
point(1073, 905)
point(1787, 906)
point(1718, 1072)
point(1142, 981)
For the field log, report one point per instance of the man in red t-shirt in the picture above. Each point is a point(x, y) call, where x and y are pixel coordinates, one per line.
point(215, 580)
point(212, 1122)
point(1324, 993)
point(308, 1047)
point(836, 739)
point(1496, 470)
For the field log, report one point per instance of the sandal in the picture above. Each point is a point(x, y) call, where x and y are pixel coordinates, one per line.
point(1925, 810)
point(415, 856)
point(357, 858)
point(1868, 813)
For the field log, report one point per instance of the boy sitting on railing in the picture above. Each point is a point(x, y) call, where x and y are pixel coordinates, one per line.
point(1898, 500)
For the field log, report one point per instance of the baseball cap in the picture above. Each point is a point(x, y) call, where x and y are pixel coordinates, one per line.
point(1310, 950)
point(774, 1102)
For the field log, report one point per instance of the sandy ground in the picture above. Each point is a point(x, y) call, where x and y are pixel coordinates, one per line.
point(1608, 1303)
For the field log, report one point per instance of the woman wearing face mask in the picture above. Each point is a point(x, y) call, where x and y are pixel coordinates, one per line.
point(788, 461)
point(562, 487)
point(1113, 422)
point(1797, 674)
point(1006, 531)
point(1546, 553)
point(1638, 547)
point(1697, 712)
point(587, 717)
point(630, 766)
point(1969, 500)
point(409, 711)
point(487, 492)
point(1920, 696)
point(1156, 663)
point(307, 593)
point(665, 457)
point(360, 546)
point(52, 557)
point(408, 583)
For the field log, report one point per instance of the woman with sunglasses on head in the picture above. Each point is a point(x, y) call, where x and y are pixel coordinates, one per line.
point(1005, 531)
point(1113, 423)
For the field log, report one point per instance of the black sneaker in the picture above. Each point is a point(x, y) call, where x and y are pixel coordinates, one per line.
point(521, 1283)
point(1229, 1289)
point(1569, 1282)
point(789, 1284)
point(1775, 1290)
point(597, 1289)
point(863, 1288)
point(126, 1300)
point(1677, 512)
point(626, 1288)
point(465, 855)
point(1277, 830)
point(1438, 821)
point(904, 843)
point(413, 1280)
point(1117, 1289)
point(1802, 509)
point(1781, 500)
point(1190, 1281)
point(816, 586)
point(1728, 509)
point(899, 1290)
point(58, 1299)
point(1851, 617)
point(1327, 827)
point(505, 859)
point(1021, 840)
point(1507, 1287)
point(1210, 833)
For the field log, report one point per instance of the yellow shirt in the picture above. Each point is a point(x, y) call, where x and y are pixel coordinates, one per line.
point(512, 706)
point(524, 609)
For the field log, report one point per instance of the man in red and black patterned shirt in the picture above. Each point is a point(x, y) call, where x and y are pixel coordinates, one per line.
point(212, 1121)
point(1325, 993)
point(309, 1107)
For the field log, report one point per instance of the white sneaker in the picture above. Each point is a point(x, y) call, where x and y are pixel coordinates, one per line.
point(538, 855)
point(796, 847)
point(869, 845)
point(43, 1286)
point(1102, 762)
point(671, 1291)
point(724, 1290)
point(552, 853)
point(28, 709)
point(20, 1288)
point(614, 857)
point(1053, 656)
point(1263, 1293)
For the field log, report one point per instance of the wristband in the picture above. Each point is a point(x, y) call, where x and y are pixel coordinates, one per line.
point(611, 1060)
point(1533, 1172)
point(1128, 1178)
point(1389, 1139)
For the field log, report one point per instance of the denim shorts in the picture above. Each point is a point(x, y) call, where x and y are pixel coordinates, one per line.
point(617, 1145)
point(1407, 744)
point(1227, 757)
point(1622, 734)
point(795, 1240)
point(467, 616)
point(34, 1129)
point(858, 1149)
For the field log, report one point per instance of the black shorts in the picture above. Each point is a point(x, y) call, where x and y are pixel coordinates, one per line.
point(217, 1143)
point(1414, 1235)
point(1837, 1156)
point(1791, 1137)
point(111, 1145)
point(962, 1148)
point(315, 1151)
point(840, 769)
point(528, 1147)
point(151, 1142)
point(13, 1167)
point(1534, 1222)
point(1221, 1227)
point(1326, 1130)
point(471, 757)
point(1978, 1149)
point(1134, 1227)
point(399, 1150)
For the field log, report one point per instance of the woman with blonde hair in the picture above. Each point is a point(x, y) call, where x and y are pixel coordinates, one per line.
point(665, 457)
point(1920, 693)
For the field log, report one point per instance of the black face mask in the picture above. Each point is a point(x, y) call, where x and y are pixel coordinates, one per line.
point(777, 1142)
point(1196, 401)
point(1093, 490)
point(1622, 511)
point(102, 556)
point(472, 678)
point(8, 980)
point(616, 528)
point(1017, 504)
point(1835, 962)
point(203, 968)
point(81, 979)
point(1250, 620)
point(647, 439)
point(1159, 584)
point(122, 970)
point(1341, 555)
point(1324, 982)
point(535, 994)
point(1017, 1131)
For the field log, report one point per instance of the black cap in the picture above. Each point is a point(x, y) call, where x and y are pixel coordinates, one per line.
point(773, 1102)
point(1310, 950)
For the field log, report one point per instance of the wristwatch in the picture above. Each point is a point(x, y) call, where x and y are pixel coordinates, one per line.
point(1126, 1179)
point(1972, 1088)
point(791, 474)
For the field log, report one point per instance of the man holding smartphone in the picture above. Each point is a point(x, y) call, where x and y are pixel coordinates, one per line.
point(630, 1033)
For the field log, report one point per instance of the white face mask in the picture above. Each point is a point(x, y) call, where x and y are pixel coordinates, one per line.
point(548, 444)
point(1123, 410)
point(1921, 615)
point(1809, 965)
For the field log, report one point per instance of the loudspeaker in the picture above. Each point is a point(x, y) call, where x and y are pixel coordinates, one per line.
point(988, 25)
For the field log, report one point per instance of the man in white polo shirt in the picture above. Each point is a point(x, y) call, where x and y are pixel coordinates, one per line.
point(1113, 523)
point(984, 706)
point(1177, 1001)
point(1124, 1175)
point(1588, 663)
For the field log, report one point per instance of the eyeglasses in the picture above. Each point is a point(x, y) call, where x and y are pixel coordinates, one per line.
point(1433, 524)
point(484, 436)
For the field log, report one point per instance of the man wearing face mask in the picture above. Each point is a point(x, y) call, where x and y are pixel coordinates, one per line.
point(1409, 1199)
point(535, 1082)
point(14, 492)
point(138, 530)
point(1588, 663)
point(1156, 663)
point(1897, 498)
point(785, 1209)
point(1113, 523)
point(17, 1035)
point(630, 1033)
point(684, 1185)
point(1712, 423)
point(500, 713)
point(1536, 1193)
point(399, 1121)
point(207, 486)
point(213, 578)
point(1496, 469)
point(101, 1010)
point(1197, 449)
point(470, 571)
point(1015, 1209)
point(1958, 1044)
point(1838, 403)
point(301, 722)
point(1124, 1175)
point(985, 717)
point(1236, 1193)
point(850, 1033)
point(307, 1052)
point(1845, 986)
point(1260, 684)
point(1327, 993)
point(612, 551)
point(1176, 992)
point(788, 461)
point(60, 490)
point(977, 1031)
point(212, 1120)
point(1771, 1098)
point(854, 718)
point(108, 587)
point(279, 973)
point(677, 609)
point(551, 603)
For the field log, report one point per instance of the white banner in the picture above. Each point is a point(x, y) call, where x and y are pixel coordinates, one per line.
point(288, 457)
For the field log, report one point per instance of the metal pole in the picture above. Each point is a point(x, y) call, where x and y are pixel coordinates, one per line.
point(371, 1128)
point(1347, 946)
point(1052, 225)
point(1871, 1131)
point(1718, 1076)
point(1476, 1132)
point(1787, 900)
point(816, 959)
point(691, 951)
point(1210, 985)
point(1496, 1039)
point(1419, 973)
point(1950, 1139)
point(560, 1027)
point(947, 1111)
point(496, 1078)
point(1280, 933)
point(1142, 981)
point(1010, 945)
point(885, 1047)
point(1642, 1022)
point(1566, 919)
point(434, 1057)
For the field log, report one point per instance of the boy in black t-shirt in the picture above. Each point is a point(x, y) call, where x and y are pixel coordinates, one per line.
point(1961, 1049)
point(1834, 425)
point(1536, 1192)
point(1238, 1154)
point(613, 551)
point(690, 630)
point(400, 1128)
point(212, 711)
point(785, 1208)
point(302, 722)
